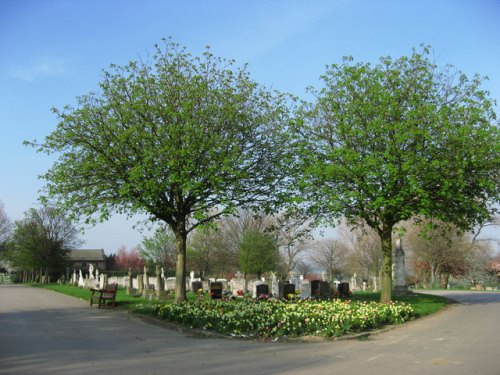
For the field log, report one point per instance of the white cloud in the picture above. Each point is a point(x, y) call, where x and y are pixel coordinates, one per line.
point(41, 68)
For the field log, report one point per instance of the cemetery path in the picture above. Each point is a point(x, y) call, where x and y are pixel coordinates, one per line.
point(43, 332)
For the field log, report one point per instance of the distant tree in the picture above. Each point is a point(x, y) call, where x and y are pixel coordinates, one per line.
point(174, 137)
point(330, 255)
point(303, 267)
point(439, 251)
point(5, 224)
point(210, 254)
point(294, 240)
point(362, 244)
point(128, 259)
point(201, 248)
point(160, 249)
point(258, 252)
point(398, 140)
point(41, 241)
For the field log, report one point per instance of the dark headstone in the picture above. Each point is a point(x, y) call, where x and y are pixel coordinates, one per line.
point(343, 290)
point(196, 285)
point(262, 289)
point(216, 290)
point(324, 290)
point(288, 289)
point(315, 288)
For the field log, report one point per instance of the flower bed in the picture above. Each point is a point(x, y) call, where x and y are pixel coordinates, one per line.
point(278, 318)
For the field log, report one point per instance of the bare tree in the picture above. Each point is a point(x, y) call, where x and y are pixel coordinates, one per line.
point(293, 240)
point(331, 256)
point(364, 250)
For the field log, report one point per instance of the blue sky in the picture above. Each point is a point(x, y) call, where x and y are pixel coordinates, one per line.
point(52, 51)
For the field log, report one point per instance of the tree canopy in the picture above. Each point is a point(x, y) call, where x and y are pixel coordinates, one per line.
point(404, 138)
point(174, 137)
point(41, 241)
point(258, 252)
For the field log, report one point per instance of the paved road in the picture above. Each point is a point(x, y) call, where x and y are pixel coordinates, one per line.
point(43, 332)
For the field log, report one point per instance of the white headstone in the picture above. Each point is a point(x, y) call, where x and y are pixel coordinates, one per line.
point(81, 281)
point(275, 288)
point(305, 289)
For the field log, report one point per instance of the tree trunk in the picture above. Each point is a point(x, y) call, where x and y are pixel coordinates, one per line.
point(386, 280)
point(443, 280)
point(180, 269)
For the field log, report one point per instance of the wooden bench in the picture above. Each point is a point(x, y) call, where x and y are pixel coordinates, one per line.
point(100, 296)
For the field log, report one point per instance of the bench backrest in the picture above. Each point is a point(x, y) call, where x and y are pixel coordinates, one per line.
point(111, 288)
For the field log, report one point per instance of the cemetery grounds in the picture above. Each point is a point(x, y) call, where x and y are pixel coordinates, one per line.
point(269, 318)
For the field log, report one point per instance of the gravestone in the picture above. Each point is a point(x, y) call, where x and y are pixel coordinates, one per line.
point(324, 290)
point(305, 289)
point(261, 289)
point(237, 286)
point(315, 288)
point(288, 289)
point(196, 285)
point(170, 283)
point(255, 284)
point(140, 283)
point(205, 284)
point(275, 289)
point(343, 290)
point(216, 290)
point(81, 281)
point(400, 288)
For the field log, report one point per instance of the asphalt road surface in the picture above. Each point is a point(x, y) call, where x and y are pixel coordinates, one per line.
point(43, 332)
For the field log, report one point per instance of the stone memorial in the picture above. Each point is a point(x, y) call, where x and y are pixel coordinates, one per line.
point(315, 288)
point(288, 291)
point(275, 289)
point(140, 283)
point(305, 289)
point(170, 283)
point(343, 290)
point(400, 288)
point(216, 290)
point(261, 290)
point(324, 292)
point(237, 286)
point(196, 285)
point(81, 282)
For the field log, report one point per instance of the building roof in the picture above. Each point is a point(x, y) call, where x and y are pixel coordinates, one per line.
point(87, 255)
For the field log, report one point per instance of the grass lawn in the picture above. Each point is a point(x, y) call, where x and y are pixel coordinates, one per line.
point(274, 318)
point(422, 304)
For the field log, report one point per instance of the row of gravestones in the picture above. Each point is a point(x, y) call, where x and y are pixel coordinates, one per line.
point(318, 289)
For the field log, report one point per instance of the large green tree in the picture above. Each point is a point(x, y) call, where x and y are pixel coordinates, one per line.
point(384, 143)
point(174, 137)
